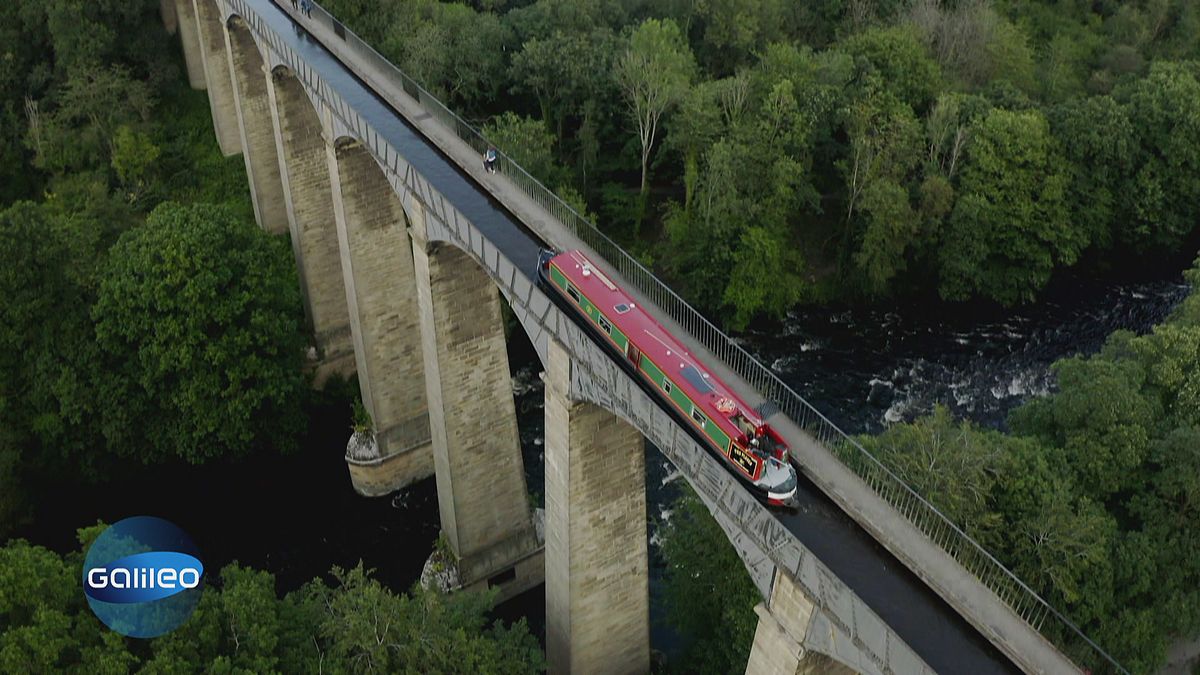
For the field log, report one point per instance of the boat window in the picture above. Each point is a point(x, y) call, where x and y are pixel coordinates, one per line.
point(572, 292)
point(605, 325)
point(621, 308)
point(696, 379)
point(666, 385)
point(699, 417)
point(744, 425)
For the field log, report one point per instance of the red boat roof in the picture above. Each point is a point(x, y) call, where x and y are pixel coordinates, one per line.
point(703, 388)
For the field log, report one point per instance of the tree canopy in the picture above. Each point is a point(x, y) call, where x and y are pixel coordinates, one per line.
point(971, 148)
point(198, 316)
point(97, 129)
point(242, 625)
point(1093, 497)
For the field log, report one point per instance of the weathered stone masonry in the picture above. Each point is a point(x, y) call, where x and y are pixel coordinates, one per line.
point(597, 589)
point(256, 133)
point(381, 295)
point(483, 500)
point(300, 140)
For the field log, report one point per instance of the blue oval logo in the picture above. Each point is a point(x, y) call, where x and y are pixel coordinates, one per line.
point(143, 577)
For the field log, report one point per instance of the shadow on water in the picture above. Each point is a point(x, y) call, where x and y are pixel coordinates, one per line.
point(294, 515)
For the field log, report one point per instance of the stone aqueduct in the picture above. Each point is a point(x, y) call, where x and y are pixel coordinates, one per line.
point(403, 288)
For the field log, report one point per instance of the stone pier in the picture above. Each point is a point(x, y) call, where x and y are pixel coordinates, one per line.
point(189, 36)
point(482, 497)
point(783, 625)
point(216, 75)
point(381, 294)
point(597, 589)
point(300, 139)
point(166, 11)
point(255, 130)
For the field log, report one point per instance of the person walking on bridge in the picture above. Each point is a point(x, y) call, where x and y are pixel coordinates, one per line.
point(306, 7)
point(489, 160)
point(295, 4)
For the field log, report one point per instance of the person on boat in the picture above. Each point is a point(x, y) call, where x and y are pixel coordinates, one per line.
point(489, 160)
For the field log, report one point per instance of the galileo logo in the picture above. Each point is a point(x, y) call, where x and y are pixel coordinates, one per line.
point(143, 577)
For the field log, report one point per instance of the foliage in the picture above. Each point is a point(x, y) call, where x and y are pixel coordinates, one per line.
point(196, 317)
point(241, 625)
point(710, 598)
point(527, 142)
point(1092, 97)
point(1009, 227)
point(365, 626)
point(897, 56)
point(1161, 109)
point(360, 417)
point(1094, 499)
point(103, 132)
point(653, 74)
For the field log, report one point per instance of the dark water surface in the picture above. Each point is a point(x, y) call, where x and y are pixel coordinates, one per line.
point(868, 367)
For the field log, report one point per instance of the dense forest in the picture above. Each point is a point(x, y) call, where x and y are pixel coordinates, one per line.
point(147, 319)
point(242, 626)
point(1093, 499)
point(760, 153)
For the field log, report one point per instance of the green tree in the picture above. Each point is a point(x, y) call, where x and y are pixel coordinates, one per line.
point(733, 30)
point(890, 228)
point(77, 133)
point(89, 34)
point(478, 42)
point(197, 319)
point(1099, 146)
point(1010, 224)
point(47, 625)
point(703, 117)
point(884, 148)
point(47, 352)
point(653, 73)
point(364, 626)
point(528, 142)
point(952, 464)
point(1162, 195)
point(1101, 420)
point(763, 278)
point(709, 596)
point(242, 626)
point(899, 60)
point(566, 71)
point(133, 157)
point(734, 243)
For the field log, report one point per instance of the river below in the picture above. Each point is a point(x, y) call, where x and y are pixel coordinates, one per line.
point(297, 515)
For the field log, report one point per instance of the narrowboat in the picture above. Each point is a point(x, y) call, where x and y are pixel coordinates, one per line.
point(732, 430)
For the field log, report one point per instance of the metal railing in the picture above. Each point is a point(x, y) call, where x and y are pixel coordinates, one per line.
point(1022, 599)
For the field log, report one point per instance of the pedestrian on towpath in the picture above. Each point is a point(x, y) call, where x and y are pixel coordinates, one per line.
point(295, 4)
point(489, 160)
point(306, 7)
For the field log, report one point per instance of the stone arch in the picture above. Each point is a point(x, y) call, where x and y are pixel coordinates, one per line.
point(482, 494)
point(381, 296)
point(257, 132)
point(189, 37)
point(214, 55)
point(300, 135)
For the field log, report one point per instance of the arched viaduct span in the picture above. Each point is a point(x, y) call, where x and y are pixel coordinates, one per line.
point(401, 257)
